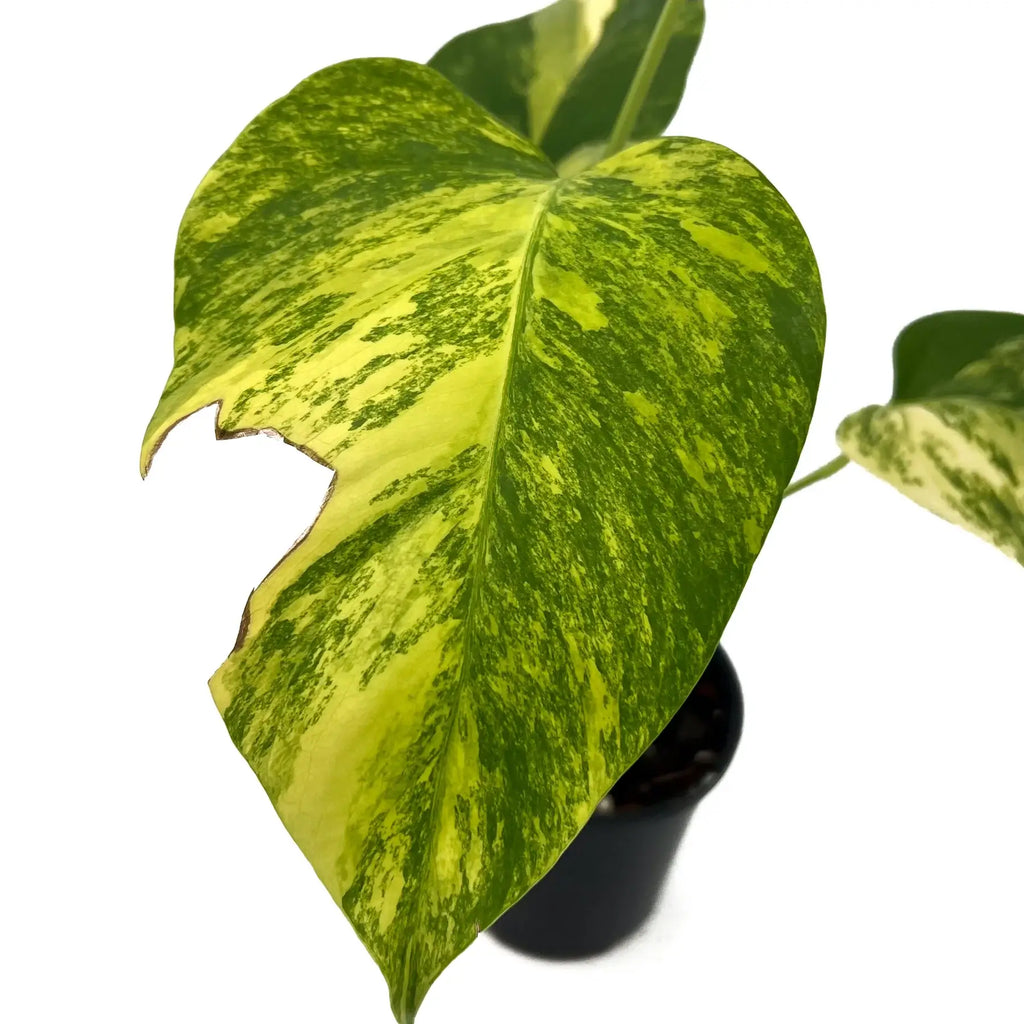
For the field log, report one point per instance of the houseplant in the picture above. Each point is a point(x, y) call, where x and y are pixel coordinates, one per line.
point(259, 267)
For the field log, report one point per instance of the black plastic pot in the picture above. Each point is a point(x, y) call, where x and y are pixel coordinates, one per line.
point(608, 881)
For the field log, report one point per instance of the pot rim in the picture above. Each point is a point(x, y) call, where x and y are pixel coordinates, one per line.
point(688, 801)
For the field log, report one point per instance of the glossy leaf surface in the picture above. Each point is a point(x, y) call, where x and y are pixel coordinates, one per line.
point(560, 413)
point(952, 437)
point(559, 76)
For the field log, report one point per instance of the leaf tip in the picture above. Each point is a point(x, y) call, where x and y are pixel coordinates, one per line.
point(403, 1007)
point(146, 457)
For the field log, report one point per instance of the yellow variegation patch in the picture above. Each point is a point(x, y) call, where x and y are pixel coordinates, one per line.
point(513, 582)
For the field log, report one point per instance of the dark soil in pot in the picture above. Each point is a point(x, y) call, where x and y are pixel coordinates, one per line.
point(608, 881)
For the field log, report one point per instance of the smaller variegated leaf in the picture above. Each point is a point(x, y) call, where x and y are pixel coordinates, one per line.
point(952, 437)
point(559, 76)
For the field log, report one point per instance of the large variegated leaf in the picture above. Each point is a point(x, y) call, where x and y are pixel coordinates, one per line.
point(952, 438)
point(560, 413)
point(559, 76)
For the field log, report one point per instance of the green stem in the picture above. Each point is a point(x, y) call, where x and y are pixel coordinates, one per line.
point(645, 72)
point(829, 469)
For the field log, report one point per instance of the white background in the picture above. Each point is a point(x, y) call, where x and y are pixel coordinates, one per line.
point(860, 862)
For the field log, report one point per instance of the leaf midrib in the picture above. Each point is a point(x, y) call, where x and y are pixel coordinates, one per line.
point(524, 291)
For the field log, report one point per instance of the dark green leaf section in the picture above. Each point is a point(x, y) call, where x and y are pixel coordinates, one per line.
point(559, 76)
point(952, 438)
point(930, 352)
point(560, 414)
